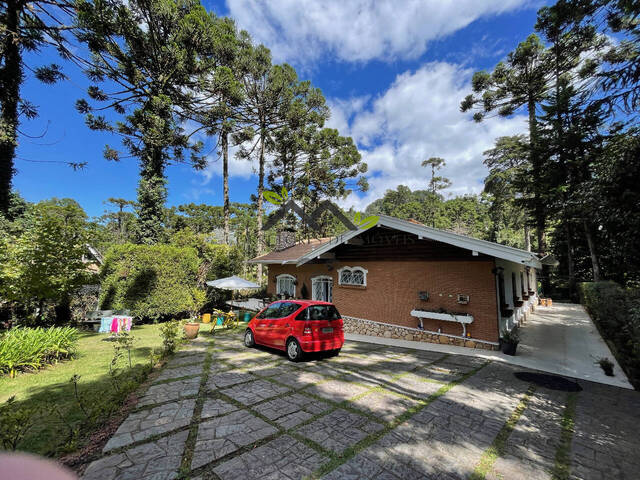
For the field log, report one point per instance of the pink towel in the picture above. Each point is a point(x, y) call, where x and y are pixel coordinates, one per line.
point(114, 325)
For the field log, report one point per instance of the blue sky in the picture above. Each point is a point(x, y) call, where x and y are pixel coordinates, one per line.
point(393, 73)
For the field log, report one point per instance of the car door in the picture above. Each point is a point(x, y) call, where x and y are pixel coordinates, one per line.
point(282, 326)
point(262, 331)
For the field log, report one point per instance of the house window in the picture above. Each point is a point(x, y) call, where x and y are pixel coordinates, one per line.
point(286, 285)
point(352, 276)
point(322, 288)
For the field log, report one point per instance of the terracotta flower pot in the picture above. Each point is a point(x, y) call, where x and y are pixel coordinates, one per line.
point(191, 330)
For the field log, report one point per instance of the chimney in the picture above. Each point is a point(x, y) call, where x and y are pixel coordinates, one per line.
point(285, 239)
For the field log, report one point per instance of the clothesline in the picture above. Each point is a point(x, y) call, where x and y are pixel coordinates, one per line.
point(115, 324)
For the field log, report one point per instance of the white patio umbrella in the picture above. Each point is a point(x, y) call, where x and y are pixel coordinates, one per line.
point(232, 283)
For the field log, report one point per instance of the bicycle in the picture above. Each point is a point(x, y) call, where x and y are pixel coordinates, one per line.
point(229, 319)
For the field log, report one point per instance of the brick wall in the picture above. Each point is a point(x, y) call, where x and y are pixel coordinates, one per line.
point(392, 292)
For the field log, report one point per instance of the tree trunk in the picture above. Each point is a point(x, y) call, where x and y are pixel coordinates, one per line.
point(538, 209)
point(527, 237)
point(260, 205)
point(225, 179)
point(152, 196)
point(11, 77)
point(570, 263)
point(592, 251)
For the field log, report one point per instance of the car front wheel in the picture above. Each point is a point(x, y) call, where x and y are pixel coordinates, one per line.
point(294, 352)
point(248, 339)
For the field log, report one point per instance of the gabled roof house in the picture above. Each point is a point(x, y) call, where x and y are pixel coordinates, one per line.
point(402, 279)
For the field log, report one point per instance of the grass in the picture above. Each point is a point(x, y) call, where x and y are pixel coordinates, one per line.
point(60, 424)
point(498, 446)
point(562, 466)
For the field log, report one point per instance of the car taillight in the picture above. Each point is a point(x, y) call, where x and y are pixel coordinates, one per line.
point(306, 331)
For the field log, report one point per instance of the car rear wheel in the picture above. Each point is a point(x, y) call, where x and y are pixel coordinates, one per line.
point(334, 353)
point(294, 352)
point(248, 339)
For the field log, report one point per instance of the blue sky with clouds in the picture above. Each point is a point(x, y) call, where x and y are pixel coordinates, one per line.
point(393, 72)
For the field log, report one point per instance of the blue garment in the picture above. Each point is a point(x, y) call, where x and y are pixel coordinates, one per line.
point(105, 324)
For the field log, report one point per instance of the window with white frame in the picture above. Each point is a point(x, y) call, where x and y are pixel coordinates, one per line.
point(352, 276)
point(322, 288)
point(286, 285)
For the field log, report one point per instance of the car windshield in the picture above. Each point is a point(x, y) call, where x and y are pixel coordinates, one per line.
point(319, 312)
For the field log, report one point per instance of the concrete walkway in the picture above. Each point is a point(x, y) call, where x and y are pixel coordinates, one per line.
point(561, 339)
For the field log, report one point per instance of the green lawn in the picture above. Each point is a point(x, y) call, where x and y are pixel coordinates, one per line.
point(50, 387)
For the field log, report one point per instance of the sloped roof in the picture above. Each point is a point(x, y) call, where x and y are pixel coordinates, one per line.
point(324, 245)
point(291, 254)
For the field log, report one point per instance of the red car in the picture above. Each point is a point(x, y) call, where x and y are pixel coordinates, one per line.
point(297, 326)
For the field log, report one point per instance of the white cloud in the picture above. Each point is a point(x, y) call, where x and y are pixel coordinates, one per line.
point(301, 31)
point(418, 117)
point(237, 167)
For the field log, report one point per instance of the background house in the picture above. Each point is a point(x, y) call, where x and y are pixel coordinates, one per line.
point(403, 279)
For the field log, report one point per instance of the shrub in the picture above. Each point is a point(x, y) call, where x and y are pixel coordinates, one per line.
point(23, 349)
point(152, 281)
point(616, 312)
point(15, 422)
point(171, 334)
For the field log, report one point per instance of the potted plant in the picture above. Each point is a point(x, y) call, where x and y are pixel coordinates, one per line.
point(606, 365)
point(191, 329)
point(509, 342)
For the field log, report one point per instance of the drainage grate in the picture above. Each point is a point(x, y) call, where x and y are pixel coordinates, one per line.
point(552, 382)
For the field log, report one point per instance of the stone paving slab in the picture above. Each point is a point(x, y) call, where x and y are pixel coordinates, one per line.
point(339, 430)
point(300, 378)
point(254, 392)
point(188, 358)
point(448, 437)
point(291, 410)
point(143, 424)
point(275, 371)
point(223, 435)
point(414, 386)
point(186, 371)
point(226, 379)
point(159, 460)
point(606, 441)
point(166, 392)
point(218, 366)
point(336, 390)
point(282, 458)
point(531, 448)
point(215, 407)
point(384, 405)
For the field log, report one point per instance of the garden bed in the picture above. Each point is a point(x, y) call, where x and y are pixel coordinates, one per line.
point(61, 426)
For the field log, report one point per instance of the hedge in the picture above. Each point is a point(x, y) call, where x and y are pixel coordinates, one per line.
point(152, 281)
point(24, 349)
point(616, 312)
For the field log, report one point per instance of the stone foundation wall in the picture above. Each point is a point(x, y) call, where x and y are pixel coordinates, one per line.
point(376, 329)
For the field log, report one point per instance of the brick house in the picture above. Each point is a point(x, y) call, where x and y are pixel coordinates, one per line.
point(402, 279)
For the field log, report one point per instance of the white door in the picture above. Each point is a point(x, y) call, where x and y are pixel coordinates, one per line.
point(322, 289)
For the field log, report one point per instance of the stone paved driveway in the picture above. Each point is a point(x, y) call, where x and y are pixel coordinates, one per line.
point(220, 411)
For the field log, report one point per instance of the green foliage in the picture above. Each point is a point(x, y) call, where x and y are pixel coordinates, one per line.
point(159, 65)
point(616, 312)
point(26, 28)
point(152, 281)
point(15, 422)
point(24, 349)
point(171, 333)
point(510, 336)
point(466, 215)
point(44, 261)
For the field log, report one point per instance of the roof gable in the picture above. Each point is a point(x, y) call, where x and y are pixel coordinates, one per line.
point(304, 252)
point(422, 231)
